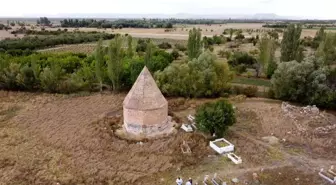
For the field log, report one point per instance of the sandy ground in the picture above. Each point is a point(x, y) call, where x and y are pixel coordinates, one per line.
point(47, 139)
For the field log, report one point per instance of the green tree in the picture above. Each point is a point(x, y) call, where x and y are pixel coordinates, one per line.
point(149, 55)
point(290, 43)
point(327, 49)
point(175, 54)
point(305, 82)
point(130, 52)
point(273, 34)
point(202, 77)
point(215, 118)
point(99, 59)
point(114, 64)
point(319, 37)
point(300, 55)
point(231, 33)
point(194, 43)
point(266, 54)
point(217, 39)
point(271, 67)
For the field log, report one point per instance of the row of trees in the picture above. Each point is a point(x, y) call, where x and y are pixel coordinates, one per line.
point(24, 30)
point(44, 21)
point(120, 23)
point(43, 41)
point(135, 23)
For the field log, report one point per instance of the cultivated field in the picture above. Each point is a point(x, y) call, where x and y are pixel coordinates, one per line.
point(180, 32)
point(68, 139)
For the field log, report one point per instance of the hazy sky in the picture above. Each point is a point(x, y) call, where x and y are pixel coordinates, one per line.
point(323, 9)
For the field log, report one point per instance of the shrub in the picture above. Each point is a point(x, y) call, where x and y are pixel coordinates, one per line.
point(165, 45)
point(241, 58)
point(50, 78)
point(215, 118)
point(249, 74)
point(181, 47)
point(241, 68)
point(240, 36)
point(250, 91)
point(141, 46)
point(175, 54)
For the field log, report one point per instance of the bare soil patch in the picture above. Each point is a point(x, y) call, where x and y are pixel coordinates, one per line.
point(56, 138)
point(69, 139)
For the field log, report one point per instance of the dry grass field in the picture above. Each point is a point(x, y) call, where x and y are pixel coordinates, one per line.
point(66, 139)
point(180, 32)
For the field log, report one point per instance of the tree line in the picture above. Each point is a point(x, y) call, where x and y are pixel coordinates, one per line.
point(43, 41)
point(120, 23)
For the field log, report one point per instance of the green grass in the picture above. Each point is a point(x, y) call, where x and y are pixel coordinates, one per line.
point(252, 81)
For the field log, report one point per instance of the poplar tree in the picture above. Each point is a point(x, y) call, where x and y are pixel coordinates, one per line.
point(290, 43)
point(319, 37)
point(114, 64)
point(266, 54)
point(194, 43)
point(99, 57)
point(130, 52)
point(327, 49)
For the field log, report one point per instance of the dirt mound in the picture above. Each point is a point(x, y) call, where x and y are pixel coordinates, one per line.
point(67, 140)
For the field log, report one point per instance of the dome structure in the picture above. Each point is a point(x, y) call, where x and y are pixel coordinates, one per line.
point(145, 108)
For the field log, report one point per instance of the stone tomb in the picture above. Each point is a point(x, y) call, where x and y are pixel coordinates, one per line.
point(145, 109)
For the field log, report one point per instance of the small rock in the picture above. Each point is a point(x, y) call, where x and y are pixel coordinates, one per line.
point(297, 179)
point(235, 180)
point(271, 140)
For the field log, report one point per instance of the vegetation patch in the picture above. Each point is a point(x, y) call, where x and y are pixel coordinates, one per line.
point(252, 81)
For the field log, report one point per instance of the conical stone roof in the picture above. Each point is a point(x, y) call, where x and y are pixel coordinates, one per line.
point(145, 94)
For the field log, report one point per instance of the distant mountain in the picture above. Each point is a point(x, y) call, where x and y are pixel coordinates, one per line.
point(271, 16)
point(266, 16)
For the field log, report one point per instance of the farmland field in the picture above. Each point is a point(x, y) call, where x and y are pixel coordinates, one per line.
point(179, 33)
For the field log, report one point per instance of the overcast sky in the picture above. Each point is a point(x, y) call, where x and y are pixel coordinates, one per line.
point(321, 9)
